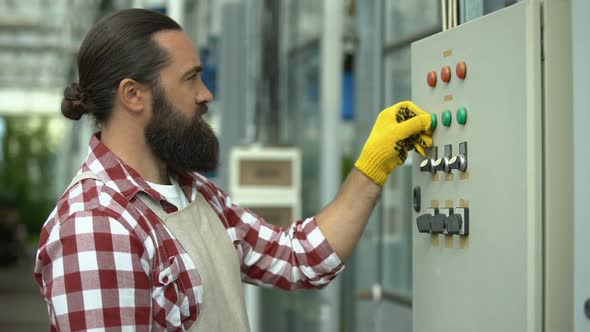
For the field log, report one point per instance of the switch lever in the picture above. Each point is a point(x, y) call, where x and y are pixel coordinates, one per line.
point(454, 224)
point(426, 166)
point(441, 164)
point(423, 223)
point(458, 162)
point(460, 221)
point(438, 224)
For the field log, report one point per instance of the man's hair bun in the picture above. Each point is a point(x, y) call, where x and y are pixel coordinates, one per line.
point(73, 104)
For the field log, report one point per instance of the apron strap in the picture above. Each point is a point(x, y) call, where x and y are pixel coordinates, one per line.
point(156, 207)
point(82, 176)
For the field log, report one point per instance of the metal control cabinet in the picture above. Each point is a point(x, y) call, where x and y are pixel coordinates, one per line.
point(486, 169)
point(492, 238)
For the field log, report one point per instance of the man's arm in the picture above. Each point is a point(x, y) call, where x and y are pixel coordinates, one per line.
point(295, 257)
point(92, 273)
point(344, 220)
point(309, 253)
point(398, 129)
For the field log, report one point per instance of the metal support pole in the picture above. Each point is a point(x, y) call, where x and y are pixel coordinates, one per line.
point(331, 100)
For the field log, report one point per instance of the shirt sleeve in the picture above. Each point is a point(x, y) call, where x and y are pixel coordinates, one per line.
point(94, 275)
point(288, 258)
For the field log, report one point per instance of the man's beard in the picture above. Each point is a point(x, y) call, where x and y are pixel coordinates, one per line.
point(183, 143)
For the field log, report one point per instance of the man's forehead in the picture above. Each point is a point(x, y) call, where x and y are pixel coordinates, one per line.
point(178, 46)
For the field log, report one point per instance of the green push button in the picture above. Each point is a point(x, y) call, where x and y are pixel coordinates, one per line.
point(447, 118)
point(461, 115)
point(433, 125)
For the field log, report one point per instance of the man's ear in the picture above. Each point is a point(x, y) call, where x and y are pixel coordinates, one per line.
point(133, 95)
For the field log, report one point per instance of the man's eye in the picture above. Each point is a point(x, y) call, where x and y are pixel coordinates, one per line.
point(192, 77)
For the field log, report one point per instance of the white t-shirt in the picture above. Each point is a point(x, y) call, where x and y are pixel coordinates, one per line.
point(172, 192)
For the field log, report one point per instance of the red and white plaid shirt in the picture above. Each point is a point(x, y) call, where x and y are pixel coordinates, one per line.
point(106, 262)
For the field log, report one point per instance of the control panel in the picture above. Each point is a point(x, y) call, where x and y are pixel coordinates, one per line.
point(476, 202)
point(447, 164)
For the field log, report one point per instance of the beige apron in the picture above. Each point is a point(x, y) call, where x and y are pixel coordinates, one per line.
point(204, 238)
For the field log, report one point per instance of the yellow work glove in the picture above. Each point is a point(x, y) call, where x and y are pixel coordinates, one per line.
point(398, 129)
point(417, 141)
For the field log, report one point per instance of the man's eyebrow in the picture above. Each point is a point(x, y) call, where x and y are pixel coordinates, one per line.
point(193, 70)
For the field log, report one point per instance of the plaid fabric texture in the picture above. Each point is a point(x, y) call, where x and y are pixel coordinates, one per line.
point(106, 262)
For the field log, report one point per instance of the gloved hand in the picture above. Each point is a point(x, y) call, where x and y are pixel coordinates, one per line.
point(398, 129)
point(416, 141)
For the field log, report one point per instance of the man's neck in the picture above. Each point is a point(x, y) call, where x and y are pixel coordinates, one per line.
point(133, 150)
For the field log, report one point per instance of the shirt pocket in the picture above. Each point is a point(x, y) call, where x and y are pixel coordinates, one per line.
point(167, 295)
point(168, 273)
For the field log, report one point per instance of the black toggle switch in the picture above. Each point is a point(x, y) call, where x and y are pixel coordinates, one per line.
point(423, 223)
point(454, 224)
point(463, 213)
point(441, 165)
point(426, 166)
point(437, 223)
point(458, 162)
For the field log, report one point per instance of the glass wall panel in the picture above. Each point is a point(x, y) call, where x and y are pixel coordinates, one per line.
point(305, 18)
point(300, 123)
point(299, 311)
point(398, 84)
point(367, 86)
point(397, 235)
point(403, 19)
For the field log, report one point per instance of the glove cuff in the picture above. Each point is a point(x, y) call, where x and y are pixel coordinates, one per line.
point(372, 166)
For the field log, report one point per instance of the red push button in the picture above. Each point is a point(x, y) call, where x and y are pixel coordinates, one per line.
point(445, 74)
point(461, 70)
point(431, 78)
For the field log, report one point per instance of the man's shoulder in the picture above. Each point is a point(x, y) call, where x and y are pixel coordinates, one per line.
point(90, 206)
point(90, 195)
point(90, 199)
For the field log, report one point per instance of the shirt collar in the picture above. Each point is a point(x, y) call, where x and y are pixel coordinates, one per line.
point(116, 174)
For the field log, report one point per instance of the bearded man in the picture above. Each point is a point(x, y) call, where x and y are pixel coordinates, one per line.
point(141, 240)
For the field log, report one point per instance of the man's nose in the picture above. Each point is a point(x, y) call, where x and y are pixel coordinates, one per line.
point(204, 95)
